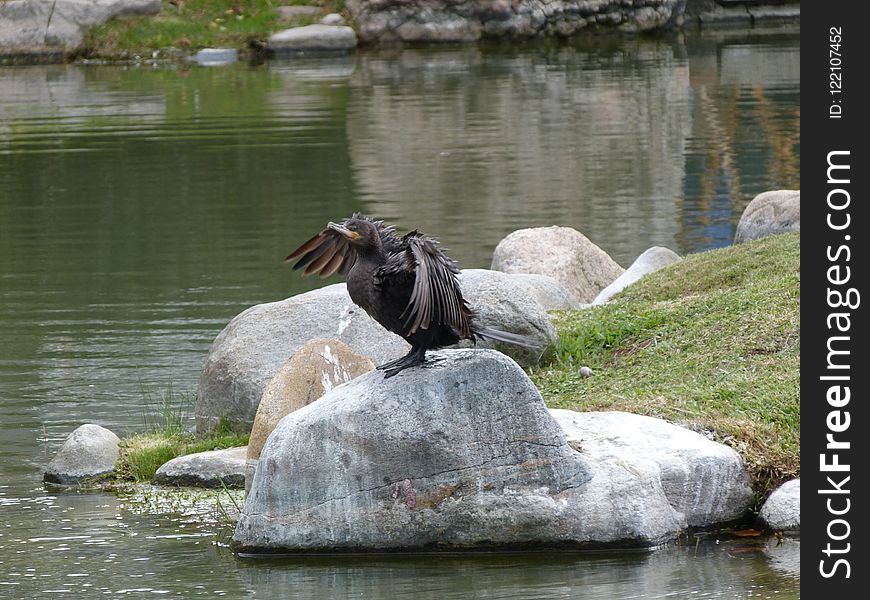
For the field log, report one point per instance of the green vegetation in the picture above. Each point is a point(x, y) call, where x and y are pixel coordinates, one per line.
point(144, 453)
point(165, 438)
point(188, 25)
point(712, 342)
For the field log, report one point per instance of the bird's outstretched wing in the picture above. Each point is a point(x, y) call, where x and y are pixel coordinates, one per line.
point(329, 251)
point(436, 297)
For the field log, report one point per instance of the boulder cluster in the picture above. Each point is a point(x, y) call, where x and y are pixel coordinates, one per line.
point(460, 453)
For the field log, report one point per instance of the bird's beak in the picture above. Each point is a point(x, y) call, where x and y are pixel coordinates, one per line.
point(351, 235)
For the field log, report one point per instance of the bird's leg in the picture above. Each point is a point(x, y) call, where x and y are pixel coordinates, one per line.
point(413, 358)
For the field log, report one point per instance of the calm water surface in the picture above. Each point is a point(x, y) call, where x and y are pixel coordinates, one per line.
point(141, 208)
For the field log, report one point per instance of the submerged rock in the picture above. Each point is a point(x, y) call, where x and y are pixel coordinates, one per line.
point(212, 469)
point(210, 57)
point(562, 253)
point(770, 213)
point(649, 262)
point(782, 510)
point(88, 453)
point(459, 454)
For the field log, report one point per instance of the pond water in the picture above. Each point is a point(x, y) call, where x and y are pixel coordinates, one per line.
point(142, 207)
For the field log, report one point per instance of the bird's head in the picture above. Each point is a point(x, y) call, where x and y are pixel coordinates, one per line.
point(359, 232)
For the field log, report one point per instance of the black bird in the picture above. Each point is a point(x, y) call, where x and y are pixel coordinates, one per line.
point(407, 284)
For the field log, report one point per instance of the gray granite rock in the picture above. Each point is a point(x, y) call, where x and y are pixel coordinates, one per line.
point(88, 453)
point(770, 213)
point(562, 253)
point(650, 261)
point(499, 302)
point(54, 27)
point(470, 20)
point(548, 292)
point(463, 454)
point(782, 510)
point(247, 354)
point(316, 368)
point(212, 469)
point(312, 38)
point(704, 482)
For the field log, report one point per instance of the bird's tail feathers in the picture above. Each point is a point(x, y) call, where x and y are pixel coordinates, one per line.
point(497, 335)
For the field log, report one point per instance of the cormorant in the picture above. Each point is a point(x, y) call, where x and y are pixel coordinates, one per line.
point(407, 284)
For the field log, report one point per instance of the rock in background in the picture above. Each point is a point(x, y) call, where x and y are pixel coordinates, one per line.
point(649, 262)
point(89, 452)
point(548, 292)
point(470, 20)
point(562, 253)
point(312, 38)
point(54, 27)
point(770, 213)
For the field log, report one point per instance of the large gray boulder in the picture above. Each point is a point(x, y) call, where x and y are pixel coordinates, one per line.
point(500, 302)
point(770, 213)
point(704, 481)
point(313, 38)
point(548, 292)
point(460, 454)
point(562, 253)
point(649, 262)
point(211, 469)
point(782, 510)
point(88, 453)
point(247, 354)
point(54, 27)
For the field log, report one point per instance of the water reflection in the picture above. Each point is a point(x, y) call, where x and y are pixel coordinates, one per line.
point(141, 209)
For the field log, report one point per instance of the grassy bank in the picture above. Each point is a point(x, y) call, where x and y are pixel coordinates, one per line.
point(165, 438)
point(188, 25)
point(712, 342)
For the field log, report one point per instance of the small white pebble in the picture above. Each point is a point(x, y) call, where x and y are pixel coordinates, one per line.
point(586, 371)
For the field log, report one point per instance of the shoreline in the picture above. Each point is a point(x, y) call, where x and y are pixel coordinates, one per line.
point(166, 34)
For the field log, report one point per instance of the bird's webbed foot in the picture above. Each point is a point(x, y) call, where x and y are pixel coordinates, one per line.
point(411, 359)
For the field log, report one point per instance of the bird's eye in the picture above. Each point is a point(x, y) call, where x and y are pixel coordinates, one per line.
point(353, 227)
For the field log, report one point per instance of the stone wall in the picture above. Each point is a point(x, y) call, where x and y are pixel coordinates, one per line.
point(470, 20)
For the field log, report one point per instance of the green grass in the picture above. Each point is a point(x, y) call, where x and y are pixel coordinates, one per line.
point(189, 25)
point(142, 454)
point(712, 342)
point(165, 438)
